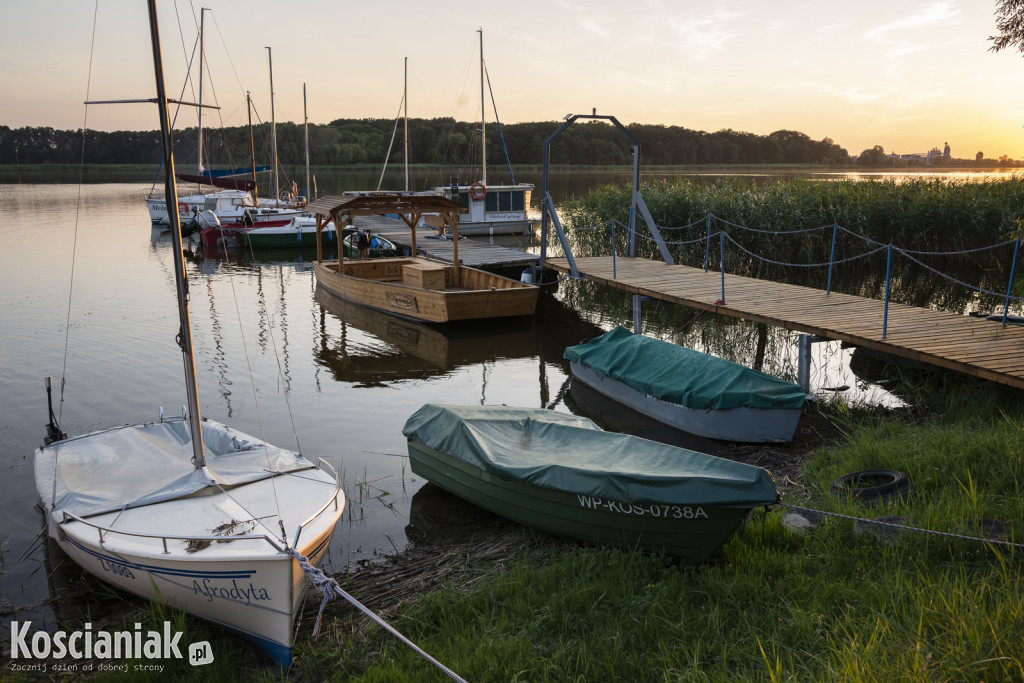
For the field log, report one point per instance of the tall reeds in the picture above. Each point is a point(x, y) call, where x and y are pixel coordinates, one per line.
point(779, 228)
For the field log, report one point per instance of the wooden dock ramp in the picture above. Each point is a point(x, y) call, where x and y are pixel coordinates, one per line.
point(974, 346)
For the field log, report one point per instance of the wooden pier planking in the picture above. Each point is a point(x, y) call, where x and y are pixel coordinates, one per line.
point(475, 252)
point(974, 346)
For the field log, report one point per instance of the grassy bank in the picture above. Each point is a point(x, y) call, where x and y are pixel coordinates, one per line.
point(774, 604)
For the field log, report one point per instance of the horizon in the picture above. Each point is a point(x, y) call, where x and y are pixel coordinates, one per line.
point(908, 78)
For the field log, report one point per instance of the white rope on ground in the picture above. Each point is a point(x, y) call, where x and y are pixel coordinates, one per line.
point(328, 587)
point(962, 537)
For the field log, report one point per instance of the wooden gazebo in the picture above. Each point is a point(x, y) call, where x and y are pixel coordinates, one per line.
point(342, 209)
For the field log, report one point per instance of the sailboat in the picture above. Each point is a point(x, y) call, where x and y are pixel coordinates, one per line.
point(187, 511)
point(489, 209)
point(235, 203)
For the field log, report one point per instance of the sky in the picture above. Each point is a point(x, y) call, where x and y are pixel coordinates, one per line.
point(909, 75)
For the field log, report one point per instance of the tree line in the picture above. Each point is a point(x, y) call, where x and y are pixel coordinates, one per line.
point(439, 141)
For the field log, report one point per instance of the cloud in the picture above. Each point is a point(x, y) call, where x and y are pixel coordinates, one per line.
point(929, 15)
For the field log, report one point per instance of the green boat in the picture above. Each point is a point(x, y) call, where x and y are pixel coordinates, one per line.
point(565, 475)
point(301, 233)
point(686, 389)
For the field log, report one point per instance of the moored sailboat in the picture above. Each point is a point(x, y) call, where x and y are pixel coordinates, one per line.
point(489, 209)
point(187, 511)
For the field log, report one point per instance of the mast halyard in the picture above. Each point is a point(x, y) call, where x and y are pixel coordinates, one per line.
point(171, 193)
point(252, 148)
point(405, 104)
point(483, 115)
point(305, 135)
point(202, 59)
point(273, 128)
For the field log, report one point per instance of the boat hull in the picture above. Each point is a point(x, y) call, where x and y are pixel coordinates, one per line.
point(285, 237)
point(116, 504)
point(512, 227)
point(689, 533)
point(256, 597)
point(748, 425)
point(423, 290)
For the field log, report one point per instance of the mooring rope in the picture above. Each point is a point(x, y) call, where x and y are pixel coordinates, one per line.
point(946, 534)
point(329, 588)
point(561, 393)
point(879, 246)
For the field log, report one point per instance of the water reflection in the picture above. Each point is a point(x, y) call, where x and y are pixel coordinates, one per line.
point(392, 348)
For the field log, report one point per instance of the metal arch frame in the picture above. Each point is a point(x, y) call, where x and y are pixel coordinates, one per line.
point(549, 214)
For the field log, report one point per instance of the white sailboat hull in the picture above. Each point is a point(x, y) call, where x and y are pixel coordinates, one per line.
point(216, 553)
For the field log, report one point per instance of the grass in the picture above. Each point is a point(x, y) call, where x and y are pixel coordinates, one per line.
point(774, 604)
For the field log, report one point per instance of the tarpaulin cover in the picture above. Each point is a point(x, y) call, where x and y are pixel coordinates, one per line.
point(139, 465)
point(680, 375)
point(569, 453)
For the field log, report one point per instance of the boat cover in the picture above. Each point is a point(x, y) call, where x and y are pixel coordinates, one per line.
point(138, 465)
point(225, 183)
point(680, 375)
point(572, 454)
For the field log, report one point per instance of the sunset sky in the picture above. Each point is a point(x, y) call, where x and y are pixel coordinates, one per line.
point(908, 75)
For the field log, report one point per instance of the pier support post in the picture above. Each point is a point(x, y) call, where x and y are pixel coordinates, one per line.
point(638, 305)
point(803, 363)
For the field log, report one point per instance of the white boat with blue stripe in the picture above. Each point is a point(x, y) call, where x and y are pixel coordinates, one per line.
point(187, 511)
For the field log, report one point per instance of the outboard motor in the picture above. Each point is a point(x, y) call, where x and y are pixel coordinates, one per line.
point(202, 220)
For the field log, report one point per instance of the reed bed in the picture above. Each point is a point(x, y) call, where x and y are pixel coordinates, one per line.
point(915, 214)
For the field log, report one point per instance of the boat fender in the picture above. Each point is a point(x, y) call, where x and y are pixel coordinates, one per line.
point(477, 190)
point(870, 485)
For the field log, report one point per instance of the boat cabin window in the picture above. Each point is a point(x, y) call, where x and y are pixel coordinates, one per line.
point(505, 201)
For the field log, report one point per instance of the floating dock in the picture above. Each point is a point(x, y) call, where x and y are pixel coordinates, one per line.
point(970, 345)
point(475, 252)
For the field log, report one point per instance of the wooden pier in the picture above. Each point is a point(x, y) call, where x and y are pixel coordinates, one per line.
point(475, 252)
point(974, 346)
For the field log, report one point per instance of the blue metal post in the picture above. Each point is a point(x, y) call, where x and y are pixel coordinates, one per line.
point(707, 246)
point(613, 249)
point(721, 258)
point(831, 258)
point(1009, 288)
point(888, 270)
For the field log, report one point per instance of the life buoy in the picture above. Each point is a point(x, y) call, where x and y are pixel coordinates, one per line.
point(477, 191)
point(182, 208)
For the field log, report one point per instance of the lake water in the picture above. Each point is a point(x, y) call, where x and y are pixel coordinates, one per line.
point(272, 357)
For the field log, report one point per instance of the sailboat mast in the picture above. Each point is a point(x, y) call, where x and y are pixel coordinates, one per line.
point(252, 147)
point(273, 128)
point(171, 193)
point(202, 59)
point(305, 135)
point(405, 104)
point(483, 115)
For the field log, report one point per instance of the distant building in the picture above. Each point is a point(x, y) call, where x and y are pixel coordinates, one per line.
point(933, 156)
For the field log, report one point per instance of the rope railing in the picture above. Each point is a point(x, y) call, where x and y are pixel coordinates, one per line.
point(723, 236)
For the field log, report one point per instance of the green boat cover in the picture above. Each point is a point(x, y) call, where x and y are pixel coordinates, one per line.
point(572, 454)
point(680, 375)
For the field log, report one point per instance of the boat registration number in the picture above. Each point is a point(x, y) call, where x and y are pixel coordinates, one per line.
point(115, 568)
point(655, 510)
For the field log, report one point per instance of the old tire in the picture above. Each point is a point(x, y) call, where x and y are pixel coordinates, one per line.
point(871, 484)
